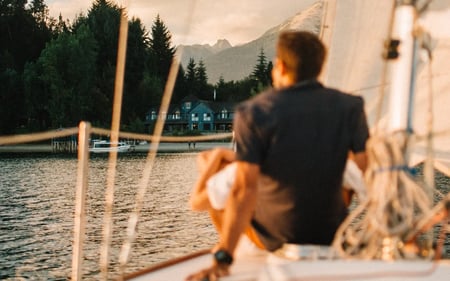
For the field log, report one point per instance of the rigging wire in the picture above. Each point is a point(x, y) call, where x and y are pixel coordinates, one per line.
point(142, 188)
point(379, 101)
point(400, 207)
point(115, 128)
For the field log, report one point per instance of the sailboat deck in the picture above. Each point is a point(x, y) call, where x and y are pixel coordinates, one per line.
point(270, 267)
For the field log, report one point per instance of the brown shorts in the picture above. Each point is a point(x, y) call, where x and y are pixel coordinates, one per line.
point(253, 236)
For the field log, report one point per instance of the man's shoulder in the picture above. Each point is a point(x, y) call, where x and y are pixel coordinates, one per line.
point(258, 100)
point(345, 96)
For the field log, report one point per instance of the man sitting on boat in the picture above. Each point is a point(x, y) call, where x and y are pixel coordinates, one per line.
point(292, 143)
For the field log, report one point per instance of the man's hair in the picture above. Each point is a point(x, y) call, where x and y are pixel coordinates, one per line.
point(302, 52)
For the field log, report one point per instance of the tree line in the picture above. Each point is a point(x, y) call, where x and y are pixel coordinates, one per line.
point(55, 73)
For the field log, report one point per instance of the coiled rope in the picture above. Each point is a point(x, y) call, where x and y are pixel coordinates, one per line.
point(398, 207)
point(395, 201)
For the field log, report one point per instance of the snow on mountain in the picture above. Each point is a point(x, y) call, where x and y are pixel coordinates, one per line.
point(236, 63)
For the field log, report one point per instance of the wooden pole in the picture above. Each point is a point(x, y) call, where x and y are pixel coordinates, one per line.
point(80, 200)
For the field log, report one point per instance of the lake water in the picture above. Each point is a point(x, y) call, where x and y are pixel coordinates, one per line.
point(37, 207)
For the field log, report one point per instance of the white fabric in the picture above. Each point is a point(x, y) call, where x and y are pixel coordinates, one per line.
point(218, 186)
point(354, 180)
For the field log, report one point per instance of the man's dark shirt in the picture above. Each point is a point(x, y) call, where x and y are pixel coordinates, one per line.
point(300, 137)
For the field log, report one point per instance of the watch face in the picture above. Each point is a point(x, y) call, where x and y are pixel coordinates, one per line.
point(223, 257)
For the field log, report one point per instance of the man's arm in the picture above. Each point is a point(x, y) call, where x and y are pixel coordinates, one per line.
point(360, 159)
point(209, 162)
point(235, 218)
point(240, 205)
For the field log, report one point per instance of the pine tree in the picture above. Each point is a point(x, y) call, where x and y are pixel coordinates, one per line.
point(191, 78)
point(204, 91)
point(260, 70)
point(160, 47)
point(261, 75)
point(134, 99)
point(23, 35)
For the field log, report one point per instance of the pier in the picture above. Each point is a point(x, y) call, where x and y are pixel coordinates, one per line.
point(65, 145)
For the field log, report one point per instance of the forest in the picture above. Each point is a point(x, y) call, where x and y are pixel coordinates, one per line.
point(55, 73)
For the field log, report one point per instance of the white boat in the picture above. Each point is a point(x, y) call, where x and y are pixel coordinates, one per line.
point(269, 267)
point(355, 33)
point(103, 146)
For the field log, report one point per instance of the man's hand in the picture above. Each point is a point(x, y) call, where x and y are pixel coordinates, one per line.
point(212, 273)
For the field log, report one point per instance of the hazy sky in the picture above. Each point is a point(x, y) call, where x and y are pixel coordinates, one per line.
point(238, 21)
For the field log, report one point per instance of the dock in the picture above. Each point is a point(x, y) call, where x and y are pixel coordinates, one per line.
point(71, 148)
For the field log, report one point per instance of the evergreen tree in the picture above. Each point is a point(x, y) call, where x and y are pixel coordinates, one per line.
point(39, 11)
point(223, 90)
point(260, 70)
point(269, 72)
point(160, 47)
point(103, 20)
point(134, 97)
point(261, 75)
point(205, 91)
point(60, 85)
point(59, 26)
point(179, 91)
point(190, 71)
point(23, 35)
point(191, 78)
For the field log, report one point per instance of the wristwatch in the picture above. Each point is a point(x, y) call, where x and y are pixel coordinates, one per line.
point(223, 257)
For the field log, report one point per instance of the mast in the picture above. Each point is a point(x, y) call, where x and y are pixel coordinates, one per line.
point(402, 48)
point(326, 32)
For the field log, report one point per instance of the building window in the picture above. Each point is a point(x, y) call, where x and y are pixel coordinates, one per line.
point(187, 105)
point(177, 115)
point(206, 116)
point(153, 115)
point(194, 116)
point(224, 114)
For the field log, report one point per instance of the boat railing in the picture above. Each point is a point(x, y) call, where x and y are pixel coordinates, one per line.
point(84, 132)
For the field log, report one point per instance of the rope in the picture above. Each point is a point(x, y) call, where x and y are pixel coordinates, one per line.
point(115, 127)
point(380, 98)
point(396, 207)
point(134, 217)
point(27, 138)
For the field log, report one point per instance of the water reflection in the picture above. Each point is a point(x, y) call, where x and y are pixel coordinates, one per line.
point(37, 206)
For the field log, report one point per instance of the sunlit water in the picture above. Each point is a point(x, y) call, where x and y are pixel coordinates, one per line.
point(37, 214)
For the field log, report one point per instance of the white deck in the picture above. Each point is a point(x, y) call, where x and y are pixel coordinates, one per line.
point(261, 270)
point(252, 264)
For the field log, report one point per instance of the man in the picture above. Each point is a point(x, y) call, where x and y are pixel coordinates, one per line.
point(292, 144)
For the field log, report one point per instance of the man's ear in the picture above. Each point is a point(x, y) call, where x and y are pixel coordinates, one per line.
point(280, 65)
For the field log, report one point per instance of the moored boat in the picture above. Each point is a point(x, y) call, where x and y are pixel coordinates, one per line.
point(103, 146)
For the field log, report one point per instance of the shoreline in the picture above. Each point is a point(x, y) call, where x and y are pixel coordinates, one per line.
point(141, 148)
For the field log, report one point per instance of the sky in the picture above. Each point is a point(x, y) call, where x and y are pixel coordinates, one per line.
point(199, 21)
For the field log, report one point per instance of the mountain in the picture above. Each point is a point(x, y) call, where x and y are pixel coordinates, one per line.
point(198, 52)
point(236, 63)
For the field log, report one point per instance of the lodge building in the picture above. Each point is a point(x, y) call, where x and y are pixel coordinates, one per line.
point(193, 114)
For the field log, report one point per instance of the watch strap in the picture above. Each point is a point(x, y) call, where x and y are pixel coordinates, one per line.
point(223, 257)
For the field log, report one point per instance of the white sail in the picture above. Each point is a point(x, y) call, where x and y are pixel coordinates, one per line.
point(354, 32)
point(357, 33)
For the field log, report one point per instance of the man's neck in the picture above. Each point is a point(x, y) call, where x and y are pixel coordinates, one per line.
point(285, 82)
point(291, 83)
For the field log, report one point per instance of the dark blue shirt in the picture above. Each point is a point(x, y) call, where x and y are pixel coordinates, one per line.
point(300, 137)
